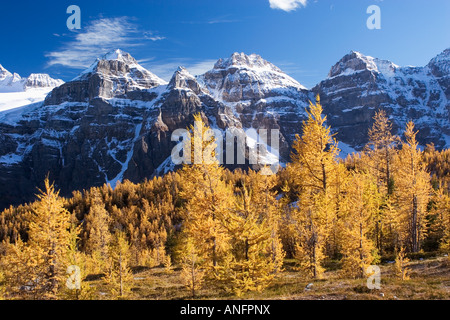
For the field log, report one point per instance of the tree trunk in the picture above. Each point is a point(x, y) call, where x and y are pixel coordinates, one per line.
point(193, 277)
point(415, 240)
point(120, 275)
point(361, 255)
point(324, 178)
point(388, 172)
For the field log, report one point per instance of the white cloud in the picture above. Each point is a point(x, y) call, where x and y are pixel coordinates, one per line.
point(151, 36)
point(221, 21)
point(287, 5)
point(98, 38)
point(166, 69)
point(217, 20)
point(201, 67)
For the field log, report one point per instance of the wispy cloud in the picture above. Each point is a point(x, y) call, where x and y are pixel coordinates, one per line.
point(218, 20)
point(146, 60)
point(305, 75)
point(166, 69)
point(201, 67)
point(287, 5)
point(149, 35)
point(99, 37)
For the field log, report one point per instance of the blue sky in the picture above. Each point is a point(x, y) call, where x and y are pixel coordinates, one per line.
point(302, 37)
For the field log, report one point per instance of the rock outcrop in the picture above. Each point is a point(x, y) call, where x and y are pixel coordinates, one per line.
point(359, 85)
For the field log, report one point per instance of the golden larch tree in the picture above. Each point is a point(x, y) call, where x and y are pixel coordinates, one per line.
point(313, 168)
point(192, 270)
point(381, 150)
point(378, 159)
point(98, 231)
point(401, 265)
point(360, 207)
point(257, 255)
point(208, 199)
point(21, 267)
point(413, 190)
point(49, 239)
point(119, 276)
point(442, 209)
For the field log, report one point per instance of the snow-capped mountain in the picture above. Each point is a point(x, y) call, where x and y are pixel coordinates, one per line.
point(12, 82)
point(440, 65)
point(243, 78)
point(41, 80)
point(115, 74)
point(358, 85)
point(16, 91)
point(115, 120)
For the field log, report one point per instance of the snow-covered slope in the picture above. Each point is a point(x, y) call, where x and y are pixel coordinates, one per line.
point(356, 62)
point(16, 91)
point(118, 64)
point(440, 65)
point(245, 77)
point(358, 85)
point(12, 100)
point(258, 93)
point(10, 82)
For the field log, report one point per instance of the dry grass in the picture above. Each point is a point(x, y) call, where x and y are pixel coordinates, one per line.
point(430, 280)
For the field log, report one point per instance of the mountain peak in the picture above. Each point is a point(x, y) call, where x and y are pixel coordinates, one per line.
point(3, 72)
point(120, 64)
point(241, 60)
point(120, 56)
point(246, 77)
point(115, 55)
point(42, 80)
point(13, 82)
point(182, 79)
point(440, 65)
point(183, 70)
point(114, 74)
point(181, 74)
point(355, 61)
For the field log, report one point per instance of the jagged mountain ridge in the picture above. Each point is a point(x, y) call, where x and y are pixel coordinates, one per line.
point(115, 120)
point(13, 82)
point(358, 85)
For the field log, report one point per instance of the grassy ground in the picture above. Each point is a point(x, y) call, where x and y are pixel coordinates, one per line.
point(430, 280)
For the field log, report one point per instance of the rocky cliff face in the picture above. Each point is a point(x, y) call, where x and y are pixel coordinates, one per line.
point(358, 85)
point(115, 74)
point(116, 119)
